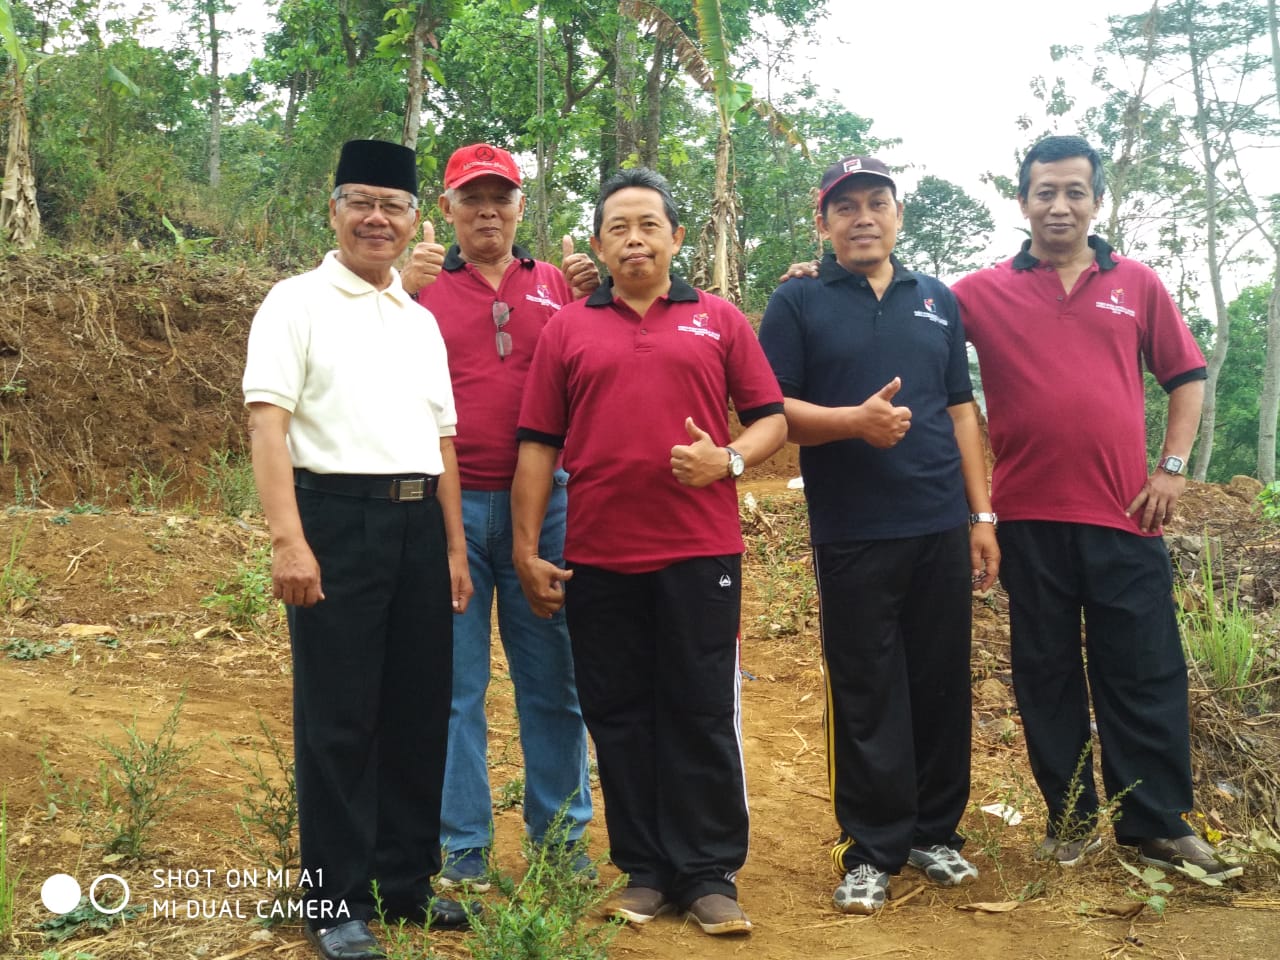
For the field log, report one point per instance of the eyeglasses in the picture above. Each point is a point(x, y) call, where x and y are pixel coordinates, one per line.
point(501, 314)
point(364, 204)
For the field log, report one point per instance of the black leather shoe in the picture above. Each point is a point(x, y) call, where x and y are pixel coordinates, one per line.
point(347, 941)
point(446, 914)
point(449, 914)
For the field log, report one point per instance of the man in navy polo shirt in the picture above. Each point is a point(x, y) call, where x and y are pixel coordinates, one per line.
point(491, 299)
point(871, 359)
point(1060, 331)
point(633, 382)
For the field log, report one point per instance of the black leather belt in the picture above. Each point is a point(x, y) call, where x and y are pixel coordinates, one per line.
point(419, 486)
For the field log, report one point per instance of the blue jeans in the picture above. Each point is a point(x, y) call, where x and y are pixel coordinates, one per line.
point(552, 735)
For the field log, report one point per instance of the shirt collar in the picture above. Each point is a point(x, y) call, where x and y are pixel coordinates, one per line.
point(1102, 255)
point(680, 292)
point(355, 285)
point(830, 271)
point(453, 258)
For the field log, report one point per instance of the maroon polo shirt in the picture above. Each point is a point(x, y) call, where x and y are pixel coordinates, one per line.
point(1062, 376)
point(614, 389)
point(487, 388)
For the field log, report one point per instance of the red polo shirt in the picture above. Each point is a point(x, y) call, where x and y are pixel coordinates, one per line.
point(1062, 375)
point(615, 388)
point(486, 387)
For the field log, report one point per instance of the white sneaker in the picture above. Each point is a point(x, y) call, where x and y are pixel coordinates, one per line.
point(943, 865)
point(862, 890)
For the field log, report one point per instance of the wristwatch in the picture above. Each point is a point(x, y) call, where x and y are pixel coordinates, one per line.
point(1174, 465)
point(736, 463)
point(983, 518)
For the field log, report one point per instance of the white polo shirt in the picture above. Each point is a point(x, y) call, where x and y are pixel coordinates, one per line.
point(362, 371)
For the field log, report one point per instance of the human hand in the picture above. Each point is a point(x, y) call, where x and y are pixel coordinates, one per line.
point(425, 263)
point(701, 462)
point(460, 581)
point(807, 269)
point(1157, 498)
point(883, 424)
point(295, 574)
point(543, 584)
point(579, 270)
point(984, 556)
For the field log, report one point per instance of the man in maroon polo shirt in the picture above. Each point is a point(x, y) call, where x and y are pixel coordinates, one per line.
point(632, 382)
point(491, 299)
point(1062, 331)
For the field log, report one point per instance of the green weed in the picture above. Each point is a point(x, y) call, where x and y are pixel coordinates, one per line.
point(544, 914)
point(228, 484)
point(147, 782)
point(990, 834)
point(148, 489)
point(268, 808)
point(88, 917)
point(20, 648)
point(245, 599)
point(510, 795)
point(8, 880)
point(17, 582)
point(1155, 888)
point(1220, 634)
point(1073, 826)
point(1269, 502)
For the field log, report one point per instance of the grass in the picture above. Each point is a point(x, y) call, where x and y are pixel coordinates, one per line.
point(148, 488)
point(268, 809)
point(545, 915)
point(245, 598)
point(1221, 634)
point(8, 880)
point(130, 797)
point(16, 581)
point(228, 484)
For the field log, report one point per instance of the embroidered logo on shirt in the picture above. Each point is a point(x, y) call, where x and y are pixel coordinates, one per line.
point(543, 297)
point(698, 327)
point(928, 314)
point(1117, 303)
point(725, 580)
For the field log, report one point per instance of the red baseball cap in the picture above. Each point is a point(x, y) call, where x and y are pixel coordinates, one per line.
point(842, 170)
point(479, 160)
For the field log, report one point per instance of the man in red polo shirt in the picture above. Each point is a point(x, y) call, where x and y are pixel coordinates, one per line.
point(491, 299)
point(633, 382)
point(1062, 331)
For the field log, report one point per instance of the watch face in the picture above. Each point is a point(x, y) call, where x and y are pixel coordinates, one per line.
point(1172, 465)
point(736, 466)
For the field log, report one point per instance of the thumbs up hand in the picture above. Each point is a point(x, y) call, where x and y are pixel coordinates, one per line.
point(882, 424)
point(425, 263)
point(579, 270)
point(700, 462)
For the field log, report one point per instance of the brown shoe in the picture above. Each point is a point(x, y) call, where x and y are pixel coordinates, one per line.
point(638, 904)
point(1174, 852)
point(717, 915)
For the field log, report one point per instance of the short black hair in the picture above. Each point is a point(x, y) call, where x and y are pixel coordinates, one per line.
point(1053, 149)
point(637, 177)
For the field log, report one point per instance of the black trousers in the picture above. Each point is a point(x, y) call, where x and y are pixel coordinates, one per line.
point(372, 678)
point(896, 621)
point(1123, 585)
point(656, 660)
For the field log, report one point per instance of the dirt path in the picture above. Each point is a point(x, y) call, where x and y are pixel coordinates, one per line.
point(142, 578)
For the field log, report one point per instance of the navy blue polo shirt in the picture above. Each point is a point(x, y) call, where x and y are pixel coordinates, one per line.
point(833, 343)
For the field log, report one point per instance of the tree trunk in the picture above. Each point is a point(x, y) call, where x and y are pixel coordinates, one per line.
point(19, 215)
point(624, 90)
point(651, 132)
point(1222, 330)
point(417, 80)
point(215, 100)
point(344, 29)
point(1269, 395)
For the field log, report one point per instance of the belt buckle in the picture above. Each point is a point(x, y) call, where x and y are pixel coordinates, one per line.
point(403, 491)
